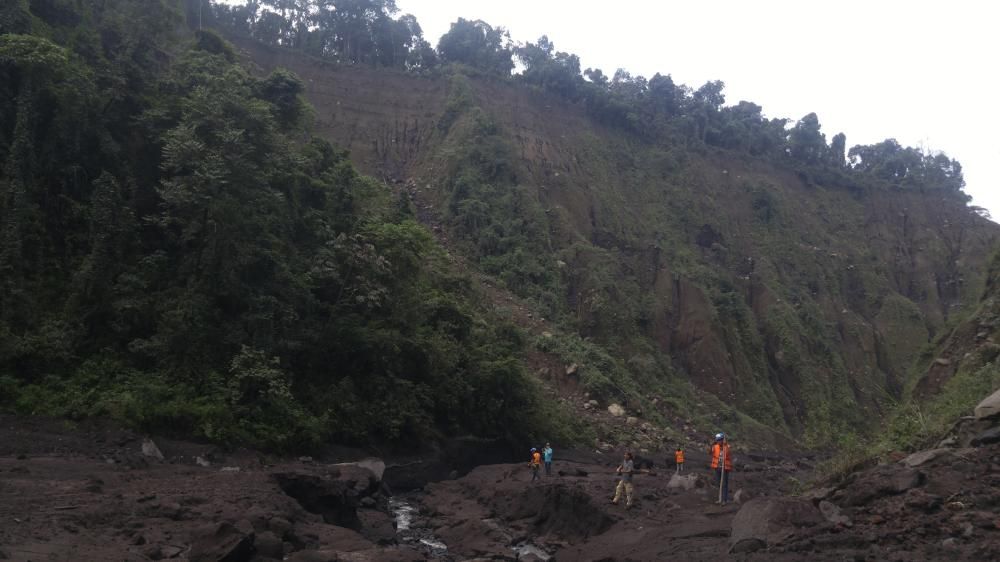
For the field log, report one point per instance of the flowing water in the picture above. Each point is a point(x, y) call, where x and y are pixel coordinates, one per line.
point(411, 532)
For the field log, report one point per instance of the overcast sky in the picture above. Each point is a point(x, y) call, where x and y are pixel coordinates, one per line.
point(924, 73)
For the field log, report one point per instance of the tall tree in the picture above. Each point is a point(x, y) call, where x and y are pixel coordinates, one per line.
point(479, 45)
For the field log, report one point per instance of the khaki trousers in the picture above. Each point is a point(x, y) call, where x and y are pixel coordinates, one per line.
point(626, 488)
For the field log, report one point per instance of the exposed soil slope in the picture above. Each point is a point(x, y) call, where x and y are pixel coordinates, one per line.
point(802, 302)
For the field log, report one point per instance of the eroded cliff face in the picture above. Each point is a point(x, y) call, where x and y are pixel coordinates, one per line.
point(804, 304)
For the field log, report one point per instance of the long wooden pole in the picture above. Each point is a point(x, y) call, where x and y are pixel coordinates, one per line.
point(722, 468)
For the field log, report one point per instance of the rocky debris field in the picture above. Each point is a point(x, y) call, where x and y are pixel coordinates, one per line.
point(98, 493)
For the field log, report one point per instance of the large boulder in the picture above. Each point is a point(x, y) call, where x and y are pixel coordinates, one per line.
point(888, 480)
point(226, 542)
point(768, 521)
point(335, 493)
point(989, 407)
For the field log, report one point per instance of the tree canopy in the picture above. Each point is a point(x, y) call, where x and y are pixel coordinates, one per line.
point(179, 253)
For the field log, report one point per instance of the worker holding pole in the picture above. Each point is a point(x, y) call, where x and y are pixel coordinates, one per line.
point(722, 466)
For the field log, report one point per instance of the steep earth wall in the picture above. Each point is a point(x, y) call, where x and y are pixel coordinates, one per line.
point(802, 303)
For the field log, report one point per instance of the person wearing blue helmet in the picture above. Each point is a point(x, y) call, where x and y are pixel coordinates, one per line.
point(722, 465)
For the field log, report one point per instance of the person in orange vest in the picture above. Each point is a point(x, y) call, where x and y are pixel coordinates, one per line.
point(535, 464)
point(679, 459)
point(722, 465)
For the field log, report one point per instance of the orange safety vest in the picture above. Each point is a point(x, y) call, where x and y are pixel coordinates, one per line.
point(536, 458)
point(717, 448)
point(679, 457)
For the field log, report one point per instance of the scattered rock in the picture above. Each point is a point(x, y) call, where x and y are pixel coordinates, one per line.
point(228, 542)
point(989, 407)
point(150, 449)
point(572, 370)
point(230, 469)
point(201, 461)
point(949, 542)
point(616, 410)
point(943, 361)
point(593, 403)
point(632, 420)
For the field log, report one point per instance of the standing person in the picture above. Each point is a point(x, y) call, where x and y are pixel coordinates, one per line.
point(626, 469)
point(535, 464)
point(679, 459)
point(722, 465)
point(547, 456)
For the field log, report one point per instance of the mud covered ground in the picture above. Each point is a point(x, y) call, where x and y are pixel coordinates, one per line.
point(91, 493)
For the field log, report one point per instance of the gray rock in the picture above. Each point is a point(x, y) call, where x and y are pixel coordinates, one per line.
point(922, 457)
point(832, 514)
point(376, 465)
point(747, 545)
point(739, 496)
point(943, 361)
point(818, 494)
point(770, 521)
point(632, 420)
point(905, 480)
point(616, 410)
point(987, 437)
point(267, 544)
point(989, 407)
point(202, 461)
point(279, 526)
point(150, 449)
point(228, 542)
point(683, 482)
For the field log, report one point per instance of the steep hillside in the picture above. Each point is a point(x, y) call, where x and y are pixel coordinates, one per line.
point(801, 297)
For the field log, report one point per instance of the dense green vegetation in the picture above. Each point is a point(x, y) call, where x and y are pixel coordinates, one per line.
point(178, 252)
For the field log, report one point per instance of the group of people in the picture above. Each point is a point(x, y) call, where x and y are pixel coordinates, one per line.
point(537, 458)
point(722, 466)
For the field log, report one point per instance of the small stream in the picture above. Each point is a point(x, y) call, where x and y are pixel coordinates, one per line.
point(418, 536)
point(412, 534)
